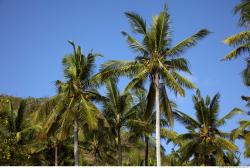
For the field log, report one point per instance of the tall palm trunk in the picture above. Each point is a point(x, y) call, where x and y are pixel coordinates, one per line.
point(56, 154)
point(157, 126)
point(119, 147)
point(76, 153)
point(146, 151)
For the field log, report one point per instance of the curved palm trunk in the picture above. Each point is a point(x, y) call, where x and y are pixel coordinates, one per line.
point(157, 126)
point(146, 151)
point(56, 155)
point(76, 153)
point(119, 147)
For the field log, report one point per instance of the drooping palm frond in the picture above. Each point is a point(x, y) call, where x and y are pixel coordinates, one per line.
point(179, 64)
point(137, 23)
point(166, 106)
point(243, 8)
point(225, 144)
point(187, 120)
point(244, 48)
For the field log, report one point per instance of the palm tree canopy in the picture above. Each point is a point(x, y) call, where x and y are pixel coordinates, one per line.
point(204, 133)
point(75, 96)
point(154, 55)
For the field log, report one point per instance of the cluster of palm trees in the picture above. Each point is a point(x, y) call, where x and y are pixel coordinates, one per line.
point(117, 127)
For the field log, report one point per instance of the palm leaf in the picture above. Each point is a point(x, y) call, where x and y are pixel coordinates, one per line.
point(187, 43)
point(229, 116)
point(137, 23)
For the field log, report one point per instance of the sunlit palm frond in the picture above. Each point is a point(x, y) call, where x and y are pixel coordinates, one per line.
point(186, 43)
point(229, 115)
point(238, 39)
point(244, 48)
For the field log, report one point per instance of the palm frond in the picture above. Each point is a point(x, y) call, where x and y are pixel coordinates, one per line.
point(187, 43)
point(184, 82)
point(225, 144)
point(238, 51)
point(243, 8)
point(180, 64)
point(134, 44)
point(232, 113)
point(238, 39)
point(186, 120)
point(171, 81)
point(137, 23)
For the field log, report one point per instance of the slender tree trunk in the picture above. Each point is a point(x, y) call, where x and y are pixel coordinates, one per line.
point(76, 153)
point(119, 147)
point(157, 105)
point(56, 155)
point(146, 151)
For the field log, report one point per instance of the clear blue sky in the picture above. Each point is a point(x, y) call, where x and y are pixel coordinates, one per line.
point(34, 34)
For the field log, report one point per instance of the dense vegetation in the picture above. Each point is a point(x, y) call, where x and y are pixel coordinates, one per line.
point(81, 126)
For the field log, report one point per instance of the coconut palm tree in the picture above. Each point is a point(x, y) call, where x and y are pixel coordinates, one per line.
point(156, 60)
point(205, 142)
point(47, 137)
point(243, 132)
point(75, 97)
point(17, 130)
point(118, 112)
point(99, 144)
point(241, 41)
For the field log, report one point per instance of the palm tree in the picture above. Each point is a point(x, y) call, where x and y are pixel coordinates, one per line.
point(241, 41)
point(17, 130)
point(144, 124)
point(118, 112)
point(156, 61)
point(99, 143)
point(75, 97)
point(47, 134)
point(244, 130)
point(205, 141)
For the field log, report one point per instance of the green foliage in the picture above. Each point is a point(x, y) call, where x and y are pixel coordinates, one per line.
point(205, 143)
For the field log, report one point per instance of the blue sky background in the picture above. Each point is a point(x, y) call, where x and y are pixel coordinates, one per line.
point(34, 34)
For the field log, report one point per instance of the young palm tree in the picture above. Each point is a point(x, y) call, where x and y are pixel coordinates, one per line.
point(98, 143)
point(156, 61)
point(241, 41)
point(118, 112)
point(48, 133)
point(205, 141)
point(76, 95)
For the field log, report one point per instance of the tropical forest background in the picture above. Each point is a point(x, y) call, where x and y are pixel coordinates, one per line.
point(124, 82)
